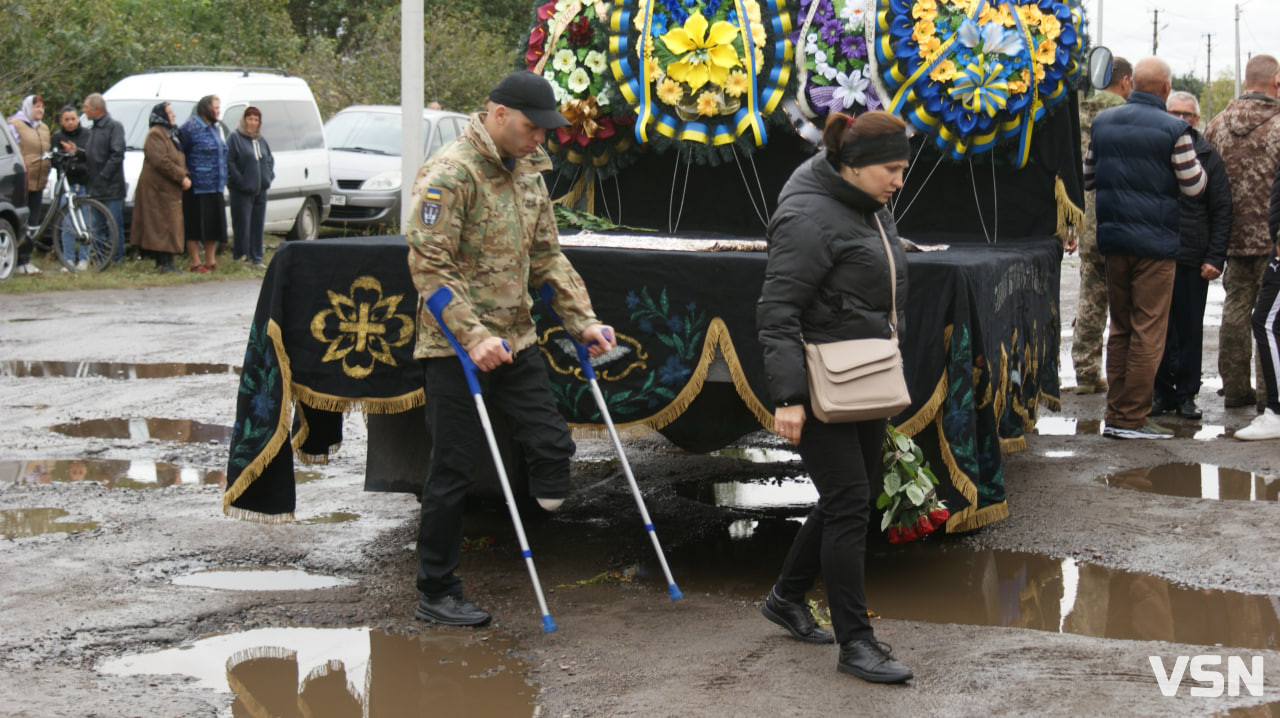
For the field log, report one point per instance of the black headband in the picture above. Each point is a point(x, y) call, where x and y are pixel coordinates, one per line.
point(875, 149)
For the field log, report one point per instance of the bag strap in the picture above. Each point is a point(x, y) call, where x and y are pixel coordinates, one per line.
point(893, 280)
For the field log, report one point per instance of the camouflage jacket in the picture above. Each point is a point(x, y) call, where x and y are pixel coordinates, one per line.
point(1247, 135)
point(1089, 109)
point(489, 234)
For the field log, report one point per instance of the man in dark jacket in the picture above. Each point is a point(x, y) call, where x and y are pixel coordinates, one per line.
point(105, 156)
point(1140, 160)
point(1206, 225)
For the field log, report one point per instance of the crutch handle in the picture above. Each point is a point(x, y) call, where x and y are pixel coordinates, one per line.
point(548, 292)
point(436, 303)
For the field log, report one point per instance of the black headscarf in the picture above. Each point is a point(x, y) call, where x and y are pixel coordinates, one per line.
point(160, 117)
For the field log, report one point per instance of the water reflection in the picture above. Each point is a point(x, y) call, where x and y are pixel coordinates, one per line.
point(150, 428)
point(111, 370)
point(943, 583)
point(260, 579)
point(333, 517)
point(33, 522)
point(347, 673)
point(779, 496)
point(109, 473)
point(1072, 426)
point(757, 455)
point(1197, 481)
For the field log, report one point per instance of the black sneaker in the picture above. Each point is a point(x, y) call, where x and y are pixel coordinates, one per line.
point(1160, 406)
point(796, 617)
point(450, 611)
point(1187, 408)
point(872, 661)
point(1149, 430)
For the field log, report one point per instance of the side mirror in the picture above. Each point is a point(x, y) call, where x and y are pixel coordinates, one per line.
point(1100, 68)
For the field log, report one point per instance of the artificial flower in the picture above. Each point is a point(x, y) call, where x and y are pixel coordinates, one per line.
point(923, 29)
point(852, 16)
point(580, 32)
point(943, 71)
point(929, 45)
point(670, 92)
point(596, 61)
point(851, 89)
point(981, 88)
point(757, 34)
point(1020, 83)
point(1050, 26)
point(651, 66)
point(990, 39)
point(565, 61)
point(705, 53)
point(708, 104)
point(1045, 52)
point(737, 84)
point(924, 10)
point(546, 11)
point(578, 80)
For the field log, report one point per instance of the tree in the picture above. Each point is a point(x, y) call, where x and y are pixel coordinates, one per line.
point(1189, 83)
point(1220, 92)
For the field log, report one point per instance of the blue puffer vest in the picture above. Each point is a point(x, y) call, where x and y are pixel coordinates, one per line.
point(1137, 193)
point(206, 153)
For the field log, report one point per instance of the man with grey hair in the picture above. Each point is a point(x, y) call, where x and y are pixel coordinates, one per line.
point(1206, 223)
point(1247, 135)
point(1140, 160)
point(104, 156)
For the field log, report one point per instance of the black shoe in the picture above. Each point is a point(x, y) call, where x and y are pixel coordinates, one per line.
point(871, 661)
point(450, 611)
point(1187, 408)
point(796, 618)
point(1160, 406)
point(1235, 402)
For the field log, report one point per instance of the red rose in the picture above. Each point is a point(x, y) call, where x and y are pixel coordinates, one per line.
point(939, 517)
point(908, 534)
point(895, 534)
point(580, 32)
point(923, 526)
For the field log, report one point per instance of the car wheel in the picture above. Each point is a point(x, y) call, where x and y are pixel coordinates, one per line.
point(8, 249)
point(306, 226)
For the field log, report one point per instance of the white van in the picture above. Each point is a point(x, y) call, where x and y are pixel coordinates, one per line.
point(298, 200)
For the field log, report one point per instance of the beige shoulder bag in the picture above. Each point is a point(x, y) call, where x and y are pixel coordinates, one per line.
point(859, 379)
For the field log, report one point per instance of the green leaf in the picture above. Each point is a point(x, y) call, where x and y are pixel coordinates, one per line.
point(884, 522)
point(915, 493)
point(902, 442)
point(882, 500)
point(892, 484)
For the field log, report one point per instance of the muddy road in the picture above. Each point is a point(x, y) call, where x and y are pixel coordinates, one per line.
point(126, 592)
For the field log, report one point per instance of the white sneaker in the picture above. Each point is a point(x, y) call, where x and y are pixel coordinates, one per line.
point(27, 268)
point(1265, 426)
point(82, 265)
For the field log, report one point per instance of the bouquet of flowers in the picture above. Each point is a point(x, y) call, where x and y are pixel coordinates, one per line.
point(831, 47)
point(910, 501)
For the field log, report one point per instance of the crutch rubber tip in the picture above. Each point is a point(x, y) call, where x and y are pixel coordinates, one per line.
point(548, 625)
point(675, 592)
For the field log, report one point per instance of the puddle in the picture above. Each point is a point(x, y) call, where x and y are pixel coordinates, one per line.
point(149, 428)
point(304, 477)
point(1070, 426)
point(942, 583)
point(109, 473)
point(779, 496)
point(333, 517)
point(33, 522)
point(260, 579)
point(342, 672)
point(111, 370)
point(1197, 481)
point(757, 455)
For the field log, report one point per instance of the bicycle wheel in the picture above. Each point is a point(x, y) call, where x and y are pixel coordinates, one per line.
point(86, 237)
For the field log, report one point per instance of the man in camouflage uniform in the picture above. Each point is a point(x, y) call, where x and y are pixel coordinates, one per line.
point(1247, 135)
point(1091, 308)
point(482, 225)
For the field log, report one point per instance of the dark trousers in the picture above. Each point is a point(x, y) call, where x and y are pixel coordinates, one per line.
point(35, 213)
point(1139, 291)
point(840, 459)
point(1178, 377)
point(1266, 330)
point(522, 393)
point(248, 217)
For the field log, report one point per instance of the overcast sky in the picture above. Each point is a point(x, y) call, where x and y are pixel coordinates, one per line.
point(1183, 24)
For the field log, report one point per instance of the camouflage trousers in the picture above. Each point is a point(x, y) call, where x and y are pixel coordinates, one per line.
point(1091, 320)
point(1241, 280)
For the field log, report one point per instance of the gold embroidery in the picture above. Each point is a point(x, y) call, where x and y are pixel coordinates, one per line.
point(365, 326)
point(637, 352)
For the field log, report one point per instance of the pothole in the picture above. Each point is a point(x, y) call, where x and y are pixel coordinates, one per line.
point(1197, 481)
point(36, 521)
point(260, 579)
point(1072, 426)
point(185, 430)
point(109, 473)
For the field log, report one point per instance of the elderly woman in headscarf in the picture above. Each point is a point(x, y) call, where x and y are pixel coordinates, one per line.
point(157, 201)
point(203, 207)
point(33, 139)
point(250, 169)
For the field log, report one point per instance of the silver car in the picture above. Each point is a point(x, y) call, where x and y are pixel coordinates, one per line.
point(364, 159)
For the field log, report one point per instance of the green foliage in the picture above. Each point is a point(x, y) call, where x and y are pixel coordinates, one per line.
point(1189, 82)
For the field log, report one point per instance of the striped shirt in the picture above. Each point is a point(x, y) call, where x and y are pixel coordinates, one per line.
point(1191, 176)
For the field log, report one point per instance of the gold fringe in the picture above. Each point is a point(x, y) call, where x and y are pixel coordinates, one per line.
point(1053, 402)
point(317, 459)
point(1069, 215)
point(717, 339)
point(236, 512)
point(1013, 445)
point(369, 405)
point(281, 434)
point(304, 429)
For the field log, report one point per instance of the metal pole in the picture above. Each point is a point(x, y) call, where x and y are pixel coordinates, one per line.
point(1098, 39)
point(412, 79)
point(1155, 31)
point(1236, 89)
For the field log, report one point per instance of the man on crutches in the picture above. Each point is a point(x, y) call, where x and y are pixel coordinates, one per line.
point(482, 225)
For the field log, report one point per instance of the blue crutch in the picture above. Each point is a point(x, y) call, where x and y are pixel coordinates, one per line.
point(438, 300)
point(547, 292)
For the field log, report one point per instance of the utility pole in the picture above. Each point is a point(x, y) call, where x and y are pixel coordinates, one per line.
point(1207, 110)
point(1236, 88)
point(1098, 42)
point(412, 74)
point(1155, 30)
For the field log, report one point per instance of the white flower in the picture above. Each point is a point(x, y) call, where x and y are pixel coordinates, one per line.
point(811, 39)
point(596, 61)
point(825, 70)
point(852, 88)
point(565, 61)
point(579, 80)
point(605, 97)
point(561, 95)
point(852, 15)
point(820, 57)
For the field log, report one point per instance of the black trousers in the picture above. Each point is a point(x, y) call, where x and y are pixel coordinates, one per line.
point(1179, 374)
point(840, 459)
point(522, 393)
point(1266, 330)
point(35, 207)
point(248, 218)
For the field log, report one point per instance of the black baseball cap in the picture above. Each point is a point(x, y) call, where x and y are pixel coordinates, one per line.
point(531, 94)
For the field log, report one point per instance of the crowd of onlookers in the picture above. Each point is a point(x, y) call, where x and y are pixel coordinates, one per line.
point(179, 199)
point(1176, 207)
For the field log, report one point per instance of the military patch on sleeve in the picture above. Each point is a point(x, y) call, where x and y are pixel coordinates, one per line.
point(429, 213)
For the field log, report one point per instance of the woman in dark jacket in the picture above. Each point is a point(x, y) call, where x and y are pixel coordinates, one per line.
point(158, 225)
point(203, 209)
point(828, 280)
point(72, 139)
point(250, 169)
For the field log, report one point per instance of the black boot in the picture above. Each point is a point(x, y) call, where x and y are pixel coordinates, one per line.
point(872, 661)
point(796, 617)
point(450, 611)
point(1187, 408)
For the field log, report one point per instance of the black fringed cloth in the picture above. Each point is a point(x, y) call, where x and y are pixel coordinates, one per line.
point(980, 343)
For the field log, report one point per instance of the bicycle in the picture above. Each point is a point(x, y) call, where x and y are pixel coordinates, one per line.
point(80, 225)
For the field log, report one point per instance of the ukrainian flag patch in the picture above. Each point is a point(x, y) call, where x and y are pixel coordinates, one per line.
point(433, 193)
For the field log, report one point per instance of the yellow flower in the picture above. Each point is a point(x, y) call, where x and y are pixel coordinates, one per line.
point(923, 29)
point(925, 11)
point(708, 104)
point(753, 10)
point(1039, 72)
point(1020, 85)
point(651, 66)
point(929, 45)
point(1030, 14)
point(670, 92)
point(737, 84)
point(1045, 53)
point(943, 71)
point(1050, 26)
point(705, 54)
point(757, 34)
